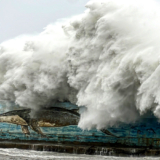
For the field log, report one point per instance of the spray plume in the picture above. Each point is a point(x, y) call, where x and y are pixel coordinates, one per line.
point(106, 59)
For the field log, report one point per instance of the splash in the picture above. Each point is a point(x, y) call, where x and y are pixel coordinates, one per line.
point(33, 68)
point(106, 59)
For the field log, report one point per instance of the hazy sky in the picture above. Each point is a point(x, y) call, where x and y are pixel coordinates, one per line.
point(31, 16)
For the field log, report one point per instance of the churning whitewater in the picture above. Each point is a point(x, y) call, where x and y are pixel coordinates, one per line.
point(107, 59)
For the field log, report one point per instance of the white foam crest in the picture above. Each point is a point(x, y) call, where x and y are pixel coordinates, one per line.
point(114, 62)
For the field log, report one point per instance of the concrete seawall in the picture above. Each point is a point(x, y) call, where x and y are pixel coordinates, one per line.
point(81, 149)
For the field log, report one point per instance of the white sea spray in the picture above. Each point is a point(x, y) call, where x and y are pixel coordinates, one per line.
point(106, 59)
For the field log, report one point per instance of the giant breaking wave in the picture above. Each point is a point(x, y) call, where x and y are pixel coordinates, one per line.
point(107, 59)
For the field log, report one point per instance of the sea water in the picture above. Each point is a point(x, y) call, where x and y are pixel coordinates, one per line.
point(18, 154)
